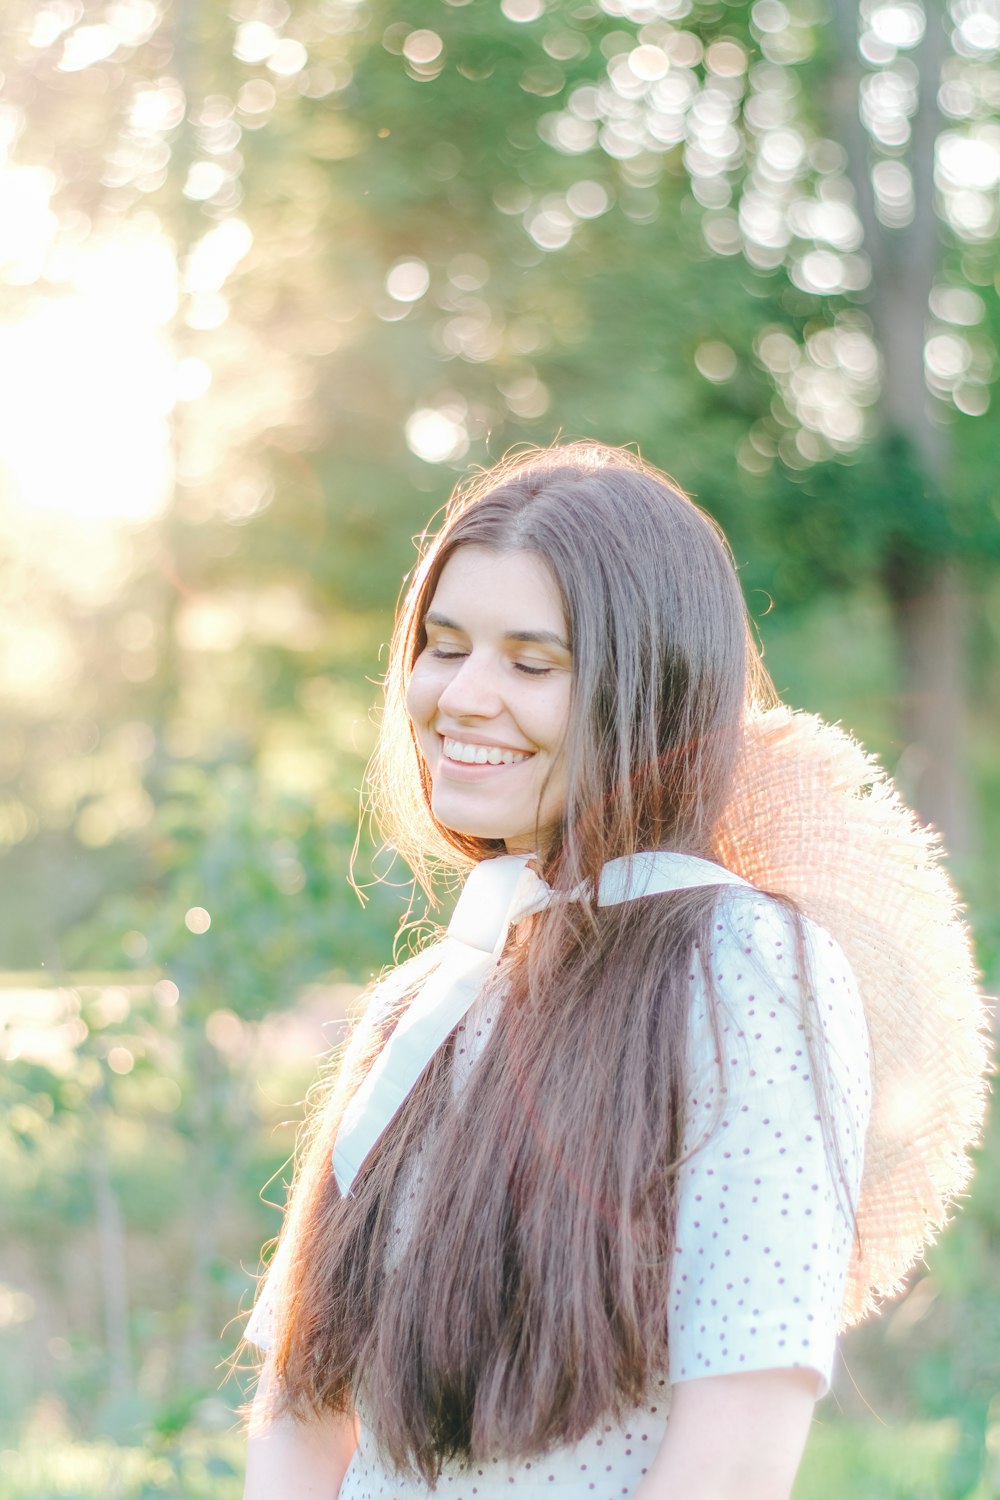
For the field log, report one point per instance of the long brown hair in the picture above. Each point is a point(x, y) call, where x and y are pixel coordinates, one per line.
point(529, 1298)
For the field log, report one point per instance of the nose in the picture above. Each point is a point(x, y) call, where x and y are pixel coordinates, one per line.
point(472, 691)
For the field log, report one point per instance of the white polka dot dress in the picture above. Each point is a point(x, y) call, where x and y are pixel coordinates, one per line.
point(764, 1225)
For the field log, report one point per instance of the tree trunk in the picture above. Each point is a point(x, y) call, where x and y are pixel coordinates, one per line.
point(924, 590)
point(928, 615)
point(113, 1269)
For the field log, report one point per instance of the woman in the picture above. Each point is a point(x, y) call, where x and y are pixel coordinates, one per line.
point(596, 1157)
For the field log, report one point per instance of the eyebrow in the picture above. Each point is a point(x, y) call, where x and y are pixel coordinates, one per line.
point(532, 637)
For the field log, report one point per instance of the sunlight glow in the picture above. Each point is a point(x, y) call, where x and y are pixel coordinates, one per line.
point(27, 223)
point(86, 384)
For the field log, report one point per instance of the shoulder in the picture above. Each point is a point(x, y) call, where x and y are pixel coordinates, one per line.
point(769, 965)
point(756, 935)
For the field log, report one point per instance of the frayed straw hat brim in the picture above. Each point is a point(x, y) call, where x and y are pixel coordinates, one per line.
point(813, 816)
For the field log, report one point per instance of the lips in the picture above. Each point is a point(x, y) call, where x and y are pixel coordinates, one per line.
point(466, 754)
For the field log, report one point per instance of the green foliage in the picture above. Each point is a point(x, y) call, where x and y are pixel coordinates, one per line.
point(295, 480)
point(272, 875)
point(202, 1467)
point(873, 1463)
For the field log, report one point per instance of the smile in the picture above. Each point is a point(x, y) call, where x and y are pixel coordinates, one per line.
point(482, 755)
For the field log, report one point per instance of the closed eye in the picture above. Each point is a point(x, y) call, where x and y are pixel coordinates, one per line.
point(522, 666)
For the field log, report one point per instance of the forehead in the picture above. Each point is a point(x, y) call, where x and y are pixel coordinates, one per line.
point(515, 589)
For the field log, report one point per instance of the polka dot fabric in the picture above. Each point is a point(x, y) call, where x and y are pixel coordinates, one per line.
point(764, 1228)
point(606, 1465)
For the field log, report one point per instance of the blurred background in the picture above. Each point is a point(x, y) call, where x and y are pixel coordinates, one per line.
point(272, 274)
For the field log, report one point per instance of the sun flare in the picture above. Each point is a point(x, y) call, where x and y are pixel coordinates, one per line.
point(87, 384)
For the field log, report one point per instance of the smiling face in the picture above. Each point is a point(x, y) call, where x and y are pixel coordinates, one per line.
point(489, 697)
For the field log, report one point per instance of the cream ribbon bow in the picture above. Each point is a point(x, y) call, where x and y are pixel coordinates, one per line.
point(497, 895)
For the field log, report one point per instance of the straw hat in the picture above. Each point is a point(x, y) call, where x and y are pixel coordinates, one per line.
point(815, 817)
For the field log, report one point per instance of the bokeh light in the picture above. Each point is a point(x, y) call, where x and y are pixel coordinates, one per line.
point(438, 435)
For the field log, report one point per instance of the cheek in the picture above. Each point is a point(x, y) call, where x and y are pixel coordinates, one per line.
point(421, 696)
point(557, 719)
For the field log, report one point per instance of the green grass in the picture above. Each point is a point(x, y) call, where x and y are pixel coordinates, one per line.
point(844, 1461)
point(200, 1469)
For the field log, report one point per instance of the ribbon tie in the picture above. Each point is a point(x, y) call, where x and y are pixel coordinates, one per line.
point(497, 895)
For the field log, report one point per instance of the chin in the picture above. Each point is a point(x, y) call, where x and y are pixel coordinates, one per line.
point(475, 828)
point(488, 832)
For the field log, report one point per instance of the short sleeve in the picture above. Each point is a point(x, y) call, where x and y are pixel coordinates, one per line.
point(766, 1191)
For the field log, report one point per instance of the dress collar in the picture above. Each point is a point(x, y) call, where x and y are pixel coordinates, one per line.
point(498, 893)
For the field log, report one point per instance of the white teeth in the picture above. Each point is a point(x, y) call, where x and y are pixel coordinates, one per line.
point(482, 755)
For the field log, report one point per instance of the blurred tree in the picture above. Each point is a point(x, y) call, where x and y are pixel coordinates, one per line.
point(853, 180)
point(865, 177)
point(369, 241)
